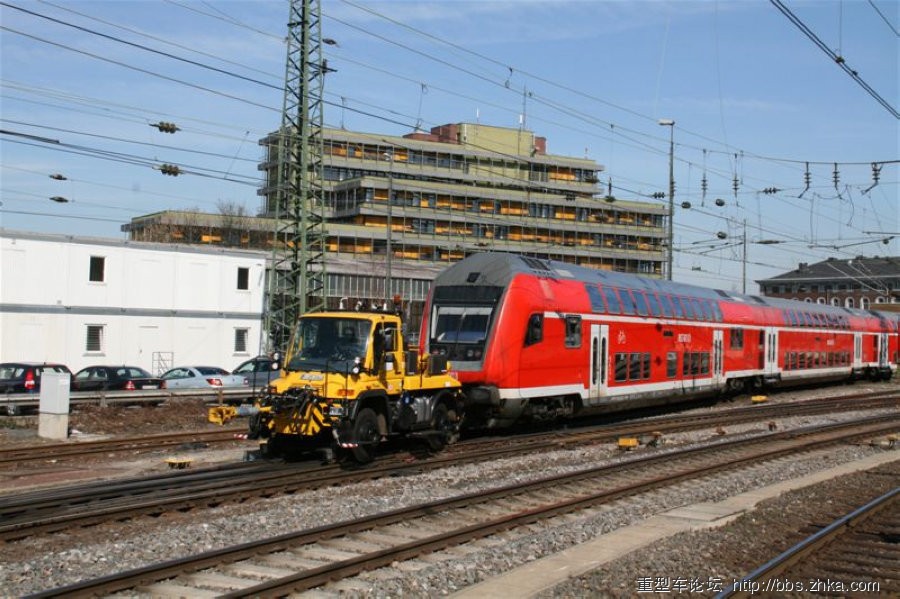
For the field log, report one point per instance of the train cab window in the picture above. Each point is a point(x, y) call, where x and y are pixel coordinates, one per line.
point(535, 331)
point(640, 303)
point(736, 339)
point(573, 331)
point(627, 301)
point(612, 300)
point(671, 364)
point(654, 304)
point(666, 302)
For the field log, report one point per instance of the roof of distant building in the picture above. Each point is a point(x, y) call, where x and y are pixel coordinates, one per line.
point(834, 269)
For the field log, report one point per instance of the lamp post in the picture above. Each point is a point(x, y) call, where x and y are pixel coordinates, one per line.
point(390, 200)
point(671, 233)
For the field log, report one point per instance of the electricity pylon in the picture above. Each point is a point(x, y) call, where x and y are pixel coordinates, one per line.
point(297, 278)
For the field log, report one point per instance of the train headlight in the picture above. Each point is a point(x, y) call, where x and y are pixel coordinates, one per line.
point(357, 365)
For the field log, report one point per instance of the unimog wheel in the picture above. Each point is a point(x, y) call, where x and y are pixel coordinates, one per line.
point(365, 435)
point(443, 421)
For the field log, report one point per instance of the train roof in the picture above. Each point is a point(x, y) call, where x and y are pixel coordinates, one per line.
point(499, 268)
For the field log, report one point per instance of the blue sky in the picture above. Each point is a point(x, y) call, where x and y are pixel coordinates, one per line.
point(753, 99)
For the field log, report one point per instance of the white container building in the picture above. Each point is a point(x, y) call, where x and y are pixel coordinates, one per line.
point(84, 301)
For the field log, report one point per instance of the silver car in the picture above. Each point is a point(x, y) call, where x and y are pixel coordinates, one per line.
point(202, 377)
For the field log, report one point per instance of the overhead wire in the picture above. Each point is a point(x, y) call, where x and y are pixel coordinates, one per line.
point(369, 114)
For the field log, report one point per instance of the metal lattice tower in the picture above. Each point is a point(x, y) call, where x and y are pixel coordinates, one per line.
point(297, 279)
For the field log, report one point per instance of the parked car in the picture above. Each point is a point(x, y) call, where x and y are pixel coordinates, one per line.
point(202, 377)
point(109, 378)
point(25, 377)
point(258, 371)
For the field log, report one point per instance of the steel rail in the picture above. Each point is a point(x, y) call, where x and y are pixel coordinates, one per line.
point(84, 505)
point(76, 449)
point(773, 445)
point(809, 545)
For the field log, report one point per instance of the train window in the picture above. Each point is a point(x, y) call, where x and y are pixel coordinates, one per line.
point(535, 332)
point(645, 366)
point(717, 311)
point(671, 364)
point(612, 300)
point(640, 302)
point(654, 304)
point(676, 303)
point(699, 312)
point(634, 367)
point(627, 301)
point(736, 339)
point(621, 367)
point(708, 311)
point(573, 331)
point(702, 307)
point(666, 303)
point(704, 363)
point(595, 296)
point(686, 304)
point(809, 319)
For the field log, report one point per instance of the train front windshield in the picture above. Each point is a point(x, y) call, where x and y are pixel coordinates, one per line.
point(460, 332)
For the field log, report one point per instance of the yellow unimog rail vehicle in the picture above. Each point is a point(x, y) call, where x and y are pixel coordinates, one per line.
point(349, 382)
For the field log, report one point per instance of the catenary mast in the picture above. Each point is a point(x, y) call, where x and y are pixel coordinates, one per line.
point(297, 277)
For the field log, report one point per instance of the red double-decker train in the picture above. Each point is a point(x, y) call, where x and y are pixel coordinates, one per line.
point(534, 339)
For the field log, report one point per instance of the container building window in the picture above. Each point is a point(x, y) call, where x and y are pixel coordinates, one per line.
point(97, 268)
point(243, 278)
point(94, 341)
point(240, 340)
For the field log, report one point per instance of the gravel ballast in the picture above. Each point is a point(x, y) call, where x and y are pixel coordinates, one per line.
point(49, 561)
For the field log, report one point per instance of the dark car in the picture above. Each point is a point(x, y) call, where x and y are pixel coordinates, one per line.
point(114, 378)
point(25, 377)
point(258, 371)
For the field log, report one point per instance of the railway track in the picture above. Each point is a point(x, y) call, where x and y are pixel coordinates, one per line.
point(76, 450)
point(855, 554)
point(90, 504)
point(80, 449)
point(308, 559)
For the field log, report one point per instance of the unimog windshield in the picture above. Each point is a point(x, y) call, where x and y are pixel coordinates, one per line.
point(328, 344)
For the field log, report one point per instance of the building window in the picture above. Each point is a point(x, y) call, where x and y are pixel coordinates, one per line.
point(243, 277)
point(97, 267)
point(240, 340)
point(94, 341)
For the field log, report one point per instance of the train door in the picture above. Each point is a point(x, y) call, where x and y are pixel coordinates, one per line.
point(599, 368)
point(718, 357)
point(770, 351)
point(857, 351)
point(881, 348)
